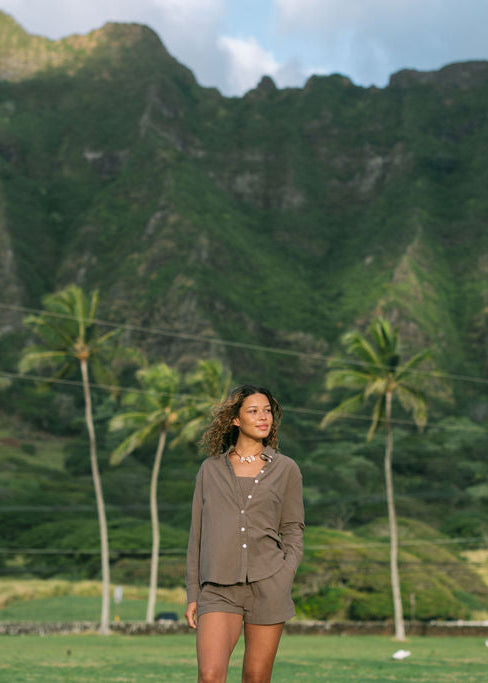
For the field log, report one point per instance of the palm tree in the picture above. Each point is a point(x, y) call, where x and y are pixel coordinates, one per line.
point(69, 336)
point(208, 384)
point(158, 409)
point(372, 369)
point(154, 412)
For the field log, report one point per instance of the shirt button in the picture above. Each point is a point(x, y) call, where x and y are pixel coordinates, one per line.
point(256, 481)
point(242, 512)
point(249, 496)
point(244, 545)
point(243, 528)
point(262, 471)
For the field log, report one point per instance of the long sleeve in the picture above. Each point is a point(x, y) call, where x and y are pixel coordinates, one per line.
point(193, 552)
point(292, 519)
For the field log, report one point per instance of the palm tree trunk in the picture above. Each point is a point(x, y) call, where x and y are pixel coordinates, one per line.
point(153, 582)
point(395, 578)
point(102, 520)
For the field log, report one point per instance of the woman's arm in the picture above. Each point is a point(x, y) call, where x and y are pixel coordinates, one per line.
point(193, 552)
point(292, 519)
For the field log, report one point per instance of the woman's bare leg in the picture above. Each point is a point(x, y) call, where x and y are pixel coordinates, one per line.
point(217, 635)
point(261, 647)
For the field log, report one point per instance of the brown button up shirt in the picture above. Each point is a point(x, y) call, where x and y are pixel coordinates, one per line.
point(235, 538)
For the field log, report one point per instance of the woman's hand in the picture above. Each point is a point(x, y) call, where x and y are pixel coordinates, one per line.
point(191, 614)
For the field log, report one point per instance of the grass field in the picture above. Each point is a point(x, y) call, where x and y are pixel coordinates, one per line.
point(78, 608)
point(89, 657)
point(56, 600)
point(336, 659)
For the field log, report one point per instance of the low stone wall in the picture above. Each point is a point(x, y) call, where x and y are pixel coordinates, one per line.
point(418, 628)
point(124, 627)
point(382, 628)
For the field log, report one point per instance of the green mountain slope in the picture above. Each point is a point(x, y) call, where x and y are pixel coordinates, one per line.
point(282, 217)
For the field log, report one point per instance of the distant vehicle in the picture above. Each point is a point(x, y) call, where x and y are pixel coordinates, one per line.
point(166, 616)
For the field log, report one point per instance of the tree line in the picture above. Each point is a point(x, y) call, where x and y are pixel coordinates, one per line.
point(167, 403)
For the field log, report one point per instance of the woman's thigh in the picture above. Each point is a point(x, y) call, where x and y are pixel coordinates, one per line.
point(261, 647)
point(217, 635)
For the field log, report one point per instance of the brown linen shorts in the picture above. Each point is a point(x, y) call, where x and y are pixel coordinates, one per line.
point(267, 601)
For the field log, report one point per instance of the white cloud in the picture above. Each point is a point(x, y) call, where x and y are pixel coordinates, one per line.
point(246, 62)
point(57, 18)
point(369, 39)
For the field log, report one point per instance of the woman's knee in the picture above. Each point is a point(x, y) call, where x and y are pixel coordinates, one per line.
point(212, 673)
point(256, 674)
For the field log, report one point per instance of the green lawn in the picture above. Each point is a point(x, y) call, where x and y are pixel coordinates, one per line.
point(336, 659)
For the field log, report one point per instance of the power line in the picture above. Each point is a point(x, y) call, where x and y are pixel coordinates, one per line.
point(292, 409)
point(322, 502)
point(137, 507)
point(169, 333)
point(114, 388)
point(331, 546)
point(307, 548)
point(403, 544)
point(85, 551)
point(244, 345)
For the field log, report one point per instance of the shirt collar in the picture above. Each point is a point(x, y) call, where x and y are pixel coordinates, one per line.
point(267, 450)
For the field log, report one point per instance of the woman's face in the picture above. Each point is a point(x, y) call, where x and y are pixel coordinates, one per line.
point(255, 417)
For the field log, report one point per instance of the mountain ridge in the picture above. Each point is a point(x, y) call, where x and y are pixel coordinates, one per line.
point(23, 55)
point(280, 216)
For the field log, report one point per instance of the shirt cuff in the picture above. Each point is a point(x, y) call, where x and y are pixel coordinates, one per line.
point(192, 593)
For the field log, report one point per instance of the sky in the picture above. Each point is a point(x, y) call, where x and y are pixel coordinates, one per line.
point(231, 44)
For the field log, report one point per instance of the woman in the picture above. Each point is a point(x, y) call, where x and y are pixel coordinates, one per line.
point(246, 538)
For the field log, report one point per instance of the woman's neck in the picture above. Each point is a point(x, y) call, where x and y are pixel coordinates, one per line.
point(247, 446)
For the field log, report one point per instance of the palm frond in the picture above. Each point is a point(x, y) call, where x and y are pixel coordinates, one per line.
point(210, 378)
point(80, 308)
point(346, 408)
point(100, 344)
point(357, 345)
point(414, 401)
point(346, 378)
point(383, 335)
point(376, 386)
point(413, 363)
point(161, 380)
point(93, 305)
point(377, 417)
point(132, 443)
point(39, 359)
point(127, 421)
point(190, 430)
point(50, 330)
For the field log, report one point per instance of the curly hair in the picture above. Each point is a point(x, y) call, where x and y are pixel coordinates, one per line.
point(222, 434)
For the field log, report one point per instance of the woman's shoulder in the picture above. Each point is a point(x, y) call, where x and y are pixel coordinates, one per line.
point(285, 461)
point(291, 464)
point(211, 462)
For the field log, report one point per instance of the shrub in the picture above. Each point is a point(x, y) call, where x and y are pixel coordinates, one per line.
point(328, 602)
